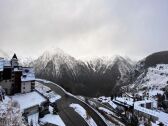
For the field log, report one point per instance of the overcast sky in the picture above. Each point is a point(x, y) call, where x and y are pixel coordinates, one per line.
point(84, 28)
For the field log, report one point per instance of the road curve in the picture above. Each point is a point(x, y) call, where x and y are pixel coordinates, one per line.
point(97, 117)
point(69, 116)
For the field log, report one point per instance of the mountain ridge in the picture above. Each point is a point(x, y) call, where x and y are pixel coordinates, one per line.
point(80, 77)
point(97, 76)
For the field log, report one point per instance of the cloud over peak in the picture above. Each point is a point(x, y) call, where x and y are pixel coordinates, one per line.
point(84, 28)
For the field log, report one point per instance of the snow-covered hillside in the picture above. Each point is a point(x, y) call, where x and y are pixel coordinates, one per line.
point(153, 77)
point(150, 73)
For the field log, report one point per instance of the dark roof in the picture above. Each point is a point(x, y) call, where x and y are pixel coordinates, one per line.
point(14, 56)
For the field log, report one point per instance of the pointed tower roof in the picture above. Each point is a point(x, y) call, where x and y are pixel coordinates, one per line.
point(14, 56)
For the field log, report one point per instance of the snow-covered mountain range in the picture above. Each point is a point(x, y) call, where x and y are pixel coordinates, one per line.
point(104, 75)
point(98, 76)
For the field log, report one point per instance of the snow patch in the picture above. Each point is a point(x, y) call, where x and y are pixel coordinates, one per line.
point(81, 111)
point(28, 100)
point(47, 92)
point(53, 119)
point(154, 77)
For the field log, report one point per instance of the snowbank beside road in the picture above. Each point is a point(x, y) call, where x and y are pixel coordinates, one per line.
point(53, 119)
point(82, 112)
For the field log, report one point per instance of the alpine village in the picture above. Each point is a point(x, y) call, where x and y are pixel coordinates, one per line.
point(28, 101)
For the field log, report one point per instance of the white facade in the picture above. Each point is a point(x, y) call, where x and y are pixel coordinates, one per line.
point(26, 87)
point(27, 78)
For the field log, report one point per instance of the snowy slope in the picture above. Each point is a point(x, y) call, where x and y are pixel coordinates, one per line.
point(153, 77)
point(53, 119)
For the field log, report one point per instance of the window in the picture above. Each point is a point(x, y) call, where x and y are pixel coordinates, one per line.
point(26, 70)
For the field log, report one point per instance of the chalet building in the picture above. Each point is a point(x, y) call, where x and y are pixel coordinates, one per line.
point(27, 79)
point(15, 78)
point(19, 83)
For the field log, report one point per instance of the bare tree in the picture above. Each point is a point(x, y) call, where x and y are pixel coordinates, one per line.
point(10, 114)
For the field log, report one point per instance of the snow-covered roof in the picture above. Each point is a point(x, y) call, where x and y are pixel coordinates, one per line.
point(17, 69)
point(104, 99)
point(28, 74)
point(155, 92)
point(126, 101)
point(143, 102)
point(28, 100)
point(46, 91)
point(7, 63)
point(163, 117)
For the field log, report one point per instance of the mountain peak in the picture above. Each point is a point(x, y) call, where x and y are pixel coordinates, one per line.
point(53, 51)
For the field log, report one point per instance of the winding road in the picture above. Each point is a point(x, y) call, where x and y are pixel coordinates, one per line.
point(68, 115)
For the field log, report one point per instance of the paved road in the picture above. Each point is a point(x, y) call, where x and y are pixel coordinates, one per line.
point(69, 116)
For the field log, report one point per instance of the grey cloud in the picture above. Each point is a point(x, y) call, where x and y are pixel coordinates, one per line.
point(84, 28)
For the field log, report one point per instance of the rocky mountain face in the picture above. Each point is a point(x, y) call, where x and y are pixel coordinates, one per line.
point(99, 76)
